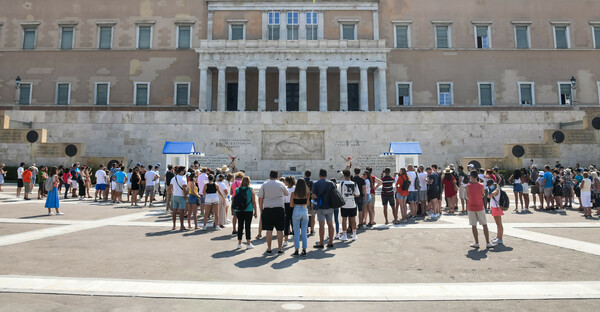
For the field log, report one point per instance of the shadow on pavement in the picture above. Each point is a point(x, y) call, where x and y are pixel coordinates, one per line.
point(161, 233)
point(286, 263)
point(227, 253)
point(501, 248)
point(477, 254)
point(256, 261)
point(222, 238)
point(33, 217)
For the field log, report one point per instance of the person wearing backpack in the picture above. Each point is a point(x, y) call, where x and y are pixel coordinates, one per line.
point(402, 185)
point(320, 194)
point(494, 196)
point(244, 205)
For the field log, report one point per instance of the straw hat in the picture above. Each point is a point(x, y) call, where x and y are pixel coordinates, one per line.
point(224, 168)
point(448, 170)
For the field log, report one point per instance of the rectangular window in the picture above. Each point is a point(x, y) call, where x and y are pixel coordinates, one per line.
point(442, 37)
point(564, 93)
point(402, 37)
point(311, 26)
point(66, 39)
point(526, 95)
point(596, 37)
point(102, 93)
point(182, 94)
point(522, 37)
point(404, 93)
point(63, 93)
point(561, 37)
point(184, 37)
point(445, 96)
point(482, 37)
point(273, 25)
point(292, 25)
point(105, 38)
point(144, 37)
point(486, 93)
point(141, 93)
point(348, 31)
point(25, 94)
point(29, 38)
point(598, 92)
point(237, 32)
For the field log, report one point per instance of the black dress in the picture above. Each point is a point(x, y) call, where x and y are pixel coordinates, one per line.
point(135, 183)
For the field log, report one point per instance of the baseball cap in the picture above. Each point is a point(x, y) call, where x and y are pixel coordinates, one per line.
point(158, 165)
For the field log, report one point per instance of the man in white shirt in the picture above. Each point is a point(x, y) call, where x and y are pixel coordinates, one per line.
point(412, 192)
point(100, 182)
point(20, 178)
point(271, 202)
point(150, 176)
point(350, 191)
point(422, 190)
point(178, 191)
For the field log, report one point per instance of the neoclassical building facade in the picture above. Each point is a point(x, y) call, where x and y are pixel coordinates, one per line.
point(343, 55)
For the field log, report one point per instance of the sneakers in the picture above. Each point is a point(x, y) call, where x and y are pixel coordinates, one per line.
point(497, 241)
point(354, 237)
point(59, 213)
point(344, 237)
point(475, 245)
point(49, 213)
point(490, 245)
point(217, 228)
point(285, 243)
point(204, 228)
point(239, 246)
point(249, 246)
point(337, 236)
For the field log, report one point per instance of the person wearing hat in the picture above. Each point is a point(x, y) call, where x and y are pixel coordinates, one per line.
point(450, 189)
point(224, 169)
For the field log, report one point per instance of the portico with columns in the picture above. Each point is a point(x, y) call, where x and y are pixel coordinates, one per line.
point(299, 75)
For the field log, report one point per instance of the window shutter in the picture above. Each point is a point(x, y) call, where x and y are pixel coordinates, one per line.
point(63, 94)
point(102, 94)
point(522, 42)
point(561, 37)
point(597, 36)
point(29, 39)
point(144, 37)
point(141, 96)
point(105, 37)
point(24, 92)
point(348, 32)
point(442, 36)
point(526, 97)
point(482, 31)
point(66, 42)
point(182, 94)
point(184, 37)
point(401, 36)
point(485, 91)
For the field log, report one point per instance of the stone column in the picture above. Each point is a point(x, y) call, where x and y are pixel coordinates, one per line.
point(302, 77)
point(382, 105)
point(323, 88)
point(221, 89)
point(241, 88)
point(262, 88)
point(343, 89)
point(364, 90)
point(375, 25)
point(209, 27)
point(203, 102)
point(282, 89)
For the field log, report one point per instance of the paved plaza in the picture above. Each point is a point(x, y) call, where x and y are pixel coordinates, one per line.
point(100, 256)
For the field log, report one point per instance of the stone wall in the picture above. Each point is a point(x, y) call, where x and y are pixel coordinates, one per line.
point(304, 140)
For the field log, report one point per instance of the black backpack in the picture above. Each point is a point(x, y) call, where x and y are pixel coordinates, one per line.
point(240, 200)
point(504, 200)
point(336, 200)
point(405, 184)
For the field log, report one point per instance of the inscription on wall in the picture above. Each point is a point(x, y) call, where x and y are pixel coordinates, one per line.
point(13, 136)
point(541, 151)
point(580, 137)
point(376, 162)
point(232, 143)
point(211, 161)
point(48, 150)
point(293, 145)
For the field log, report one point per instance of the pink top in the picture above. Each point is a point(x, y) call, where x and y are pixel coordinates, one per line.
point(475, 191)
point(235, 185)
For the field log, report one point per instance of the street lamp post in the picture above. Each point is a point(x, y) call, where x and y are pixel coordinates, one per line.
point(573, 89)
point(17, 89)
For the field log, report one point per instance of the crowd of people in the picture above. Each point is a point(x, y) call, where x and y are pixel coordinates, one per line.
point(291, 206)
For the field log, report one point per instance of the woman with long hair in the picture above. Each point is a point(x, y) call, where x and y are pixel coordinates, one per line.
point(525, 181)
point(497, 213)
point(557, 190)
point(244, 217)
point(515, 178)
point(52, 201)
point(586, 195)
point(290, 183)
point(135, 186)
point(299, 201)
point(223, 202)
point(450, 187)
point(193, 201)
point(211, 202)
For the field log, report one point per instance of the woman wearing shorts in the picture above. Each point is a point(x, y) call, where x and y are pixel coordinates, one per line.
point(193, 201)
point(366, 204)
point(517, 189)
point(497, 213)
point(525, 181)
point(211, 202)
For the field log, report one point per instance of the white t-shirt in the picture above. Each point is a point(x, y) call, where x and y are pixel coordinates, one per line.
point(177, 190)
point(100, 177)
point(202, 180)
point(20, 173)
point(423, 181)
point(222, 188)
point(412, 176)
point(286, 199)
point(368, 186)
point(150, 175)
point(129, 178)
point(349, 191)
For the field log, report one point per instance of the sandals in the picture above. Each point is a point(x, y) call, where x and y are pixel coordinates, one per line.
point(258, 236)
point(319, 246)
point(329, 245)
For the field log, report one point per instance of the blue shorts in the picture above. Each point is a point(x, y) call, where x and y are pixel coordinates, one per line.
point(518, 188)
point(412, 196)
point(398, 196)
point(368, 199)
point(179, 202)
point(101, 187)
point(193, 200)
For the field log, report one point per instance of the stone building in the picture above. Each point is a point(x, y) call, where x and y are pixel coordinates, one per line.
point(460, 59)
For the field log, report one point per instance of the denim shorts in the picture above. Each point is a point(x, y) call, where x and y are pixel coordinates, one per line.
point(398, 196)
point(412, 196)
point(368, 199)
point(193, 200)
point(518, 188)
point(178, 202)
